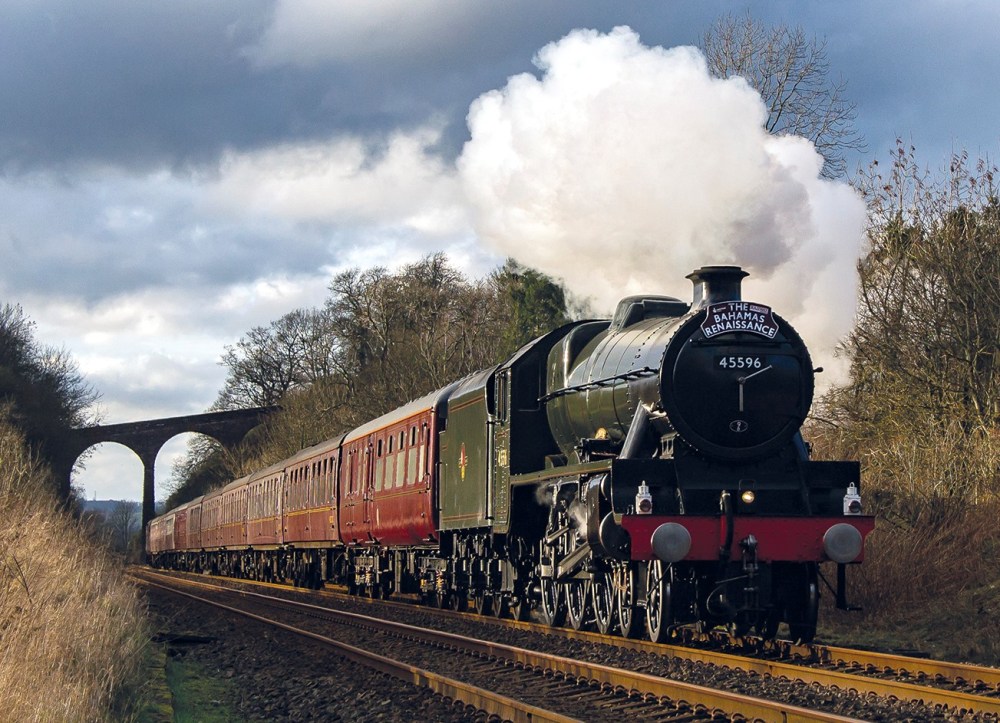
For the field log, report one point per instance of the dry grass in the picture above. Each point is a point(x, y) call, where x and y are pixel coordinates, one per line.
point(72, 631)
point(930, 566)
point(941, 549)
point(936, 494)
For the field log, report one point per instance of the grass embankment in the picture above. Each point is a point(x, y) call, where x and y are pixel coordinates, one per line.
point(73, 638)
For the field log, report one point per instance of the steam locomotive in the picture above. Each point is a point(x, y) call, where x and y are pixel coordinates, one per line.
point(642, 472)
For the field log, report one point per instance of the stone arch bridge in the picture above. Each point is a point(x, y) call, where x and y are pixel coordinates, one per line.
point(146, 438)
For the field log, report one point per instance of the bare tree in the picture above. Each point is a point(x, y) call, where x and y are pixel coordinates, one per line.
point(123, 524)
point(42, 391)
point(923, 403)
point(381, 339)
point(792, 74)
point(269, 361)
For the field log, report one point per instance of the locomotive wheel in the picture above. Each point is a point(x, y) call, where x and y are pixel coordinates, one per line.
point(602, 602)
point(520, 608)
point(553, 609)
point(739, 628)
point(659, 602)
point(626, 581)
point(501, 605)
point(577, 596)
point(803, 610)
point(482, 602)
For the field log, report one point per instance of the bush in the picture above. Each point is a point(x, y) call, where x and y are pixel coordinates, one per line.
point(72, 632)
point(935, 535)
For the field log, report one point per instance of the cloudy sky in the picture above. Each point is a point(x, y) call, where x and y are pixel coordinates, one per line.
point(176, 172)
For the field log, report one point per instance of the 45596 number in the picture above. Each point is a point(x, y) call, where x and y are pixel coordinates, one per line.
point(748, 361)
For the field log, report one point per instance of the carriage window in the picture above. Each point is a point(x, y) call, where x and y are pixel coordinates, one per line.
point(378, 452)
point(422, 461)
point(411, 465)
point(413, 435)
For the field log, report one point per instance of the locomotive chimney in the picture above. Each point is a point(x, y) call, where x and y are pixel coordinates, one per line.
point(713, 284)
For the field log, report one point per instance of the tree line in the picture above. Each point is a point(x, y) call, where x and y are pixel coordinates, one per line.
point(925, 386)
point(379, 340)
point(42, 392)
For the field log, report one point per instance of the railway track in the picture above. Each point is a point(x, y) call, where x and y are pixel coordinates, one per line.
point(550, 687)
point(940, 688)
point(956, 686)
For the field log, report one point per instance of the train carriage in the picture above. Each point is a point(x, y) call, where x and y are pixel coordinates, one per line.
point(235, 499)
point(306, 494)
point(159, 543)
point(388, 491)
point(211, 520)
point(181, 527)
point(264, 526)
point(309, 503)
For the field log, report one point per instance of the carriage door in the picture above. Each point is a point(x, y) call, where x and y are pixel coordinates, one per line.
point(500, 452)
point(368, 480)
point(352, 492)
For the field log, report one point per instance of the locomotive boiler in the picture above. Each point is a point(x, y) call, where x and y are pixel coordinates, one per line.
point(630, 474)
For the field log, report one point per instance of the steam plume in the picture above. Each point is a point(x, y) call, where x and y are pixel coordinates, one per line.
point(624, 167)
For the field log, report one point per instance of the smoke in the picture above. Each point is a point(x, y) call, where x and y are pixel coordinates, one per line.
point(624, 167)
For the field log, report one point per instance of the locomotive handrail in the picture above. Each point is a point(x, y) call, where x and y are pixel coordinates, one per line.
point(598, 383)
point(566, 471)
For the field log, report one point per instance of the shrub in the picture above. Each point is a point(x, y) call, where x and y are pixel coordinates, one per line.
point(72, 631)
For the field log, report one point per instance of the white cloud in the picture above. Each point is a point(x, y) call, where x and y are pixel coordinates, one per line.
point(625, 167)
point(344, 181)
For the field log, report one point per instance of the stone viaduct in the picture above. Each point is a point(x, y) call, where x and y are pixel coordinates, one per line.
point(146, 438)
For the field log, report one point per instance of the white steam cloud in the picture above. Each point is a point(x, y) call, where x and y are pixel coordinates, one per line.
point(625, 167)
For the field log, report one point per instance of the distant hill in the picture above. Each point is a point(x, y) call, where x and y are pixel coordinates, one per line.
point(105, 507)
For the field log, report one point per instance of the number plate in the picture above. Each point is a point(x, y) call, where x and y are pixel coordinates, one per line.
point(741, 362)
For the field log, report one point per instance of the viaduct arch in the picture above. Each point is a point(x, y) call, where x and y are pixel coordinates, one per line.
point(146, 438)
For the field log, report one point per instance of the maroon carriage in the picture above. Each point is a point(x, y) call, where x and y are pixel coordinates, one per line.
point(387, 488)
point(264, 510)
point(309, 504)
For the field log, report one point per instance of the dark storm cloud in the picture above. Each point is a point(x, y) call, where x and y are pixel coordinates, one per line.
point(150, 84)
point(144, 84)
point(125, 83)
